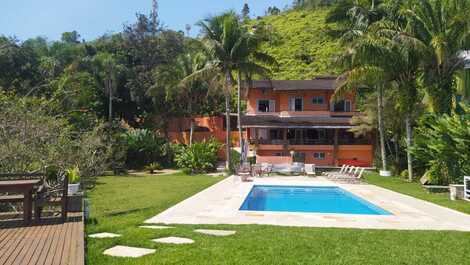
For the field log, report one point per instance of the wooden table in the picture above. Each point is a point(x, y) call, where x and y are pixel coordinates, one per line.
point(25, 187)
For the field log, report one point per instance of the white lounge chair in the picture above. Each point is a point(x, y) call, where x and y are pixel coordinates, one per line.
point(351, 178)
point(343, 169)
point(310, 170)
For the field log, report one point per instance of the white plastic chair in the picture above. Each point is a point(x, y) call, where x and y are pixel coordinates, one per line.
point(310, 170)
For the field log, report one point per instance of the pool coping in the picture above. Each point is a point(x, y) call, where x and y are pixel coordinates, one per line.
point(220, 203)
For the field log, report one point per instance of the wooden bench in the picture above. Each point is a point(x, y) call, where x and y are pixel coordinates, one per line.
point(55, 195)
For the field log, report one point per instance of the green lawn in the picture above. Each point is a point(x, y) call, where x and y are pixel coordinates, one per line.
point(120, 204)
point(415, 190)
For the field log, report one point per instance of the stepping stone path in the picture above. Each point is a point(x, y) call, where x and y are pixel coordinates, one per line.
point(155, 227)
point(128, 252)
point(215, 232)
point(104, 235)
point(174, 240)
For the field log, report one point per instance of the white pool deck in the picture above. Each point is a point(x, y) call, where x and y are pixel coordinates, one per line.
point(220, 203)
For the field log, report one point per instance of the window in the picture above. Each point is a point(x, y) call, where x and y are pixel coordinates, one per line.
point(266, 105)
point(275, 134)
point(296, 104)
point(318, 100)
point(319, 156)
point(316, 134)
point(343, 106)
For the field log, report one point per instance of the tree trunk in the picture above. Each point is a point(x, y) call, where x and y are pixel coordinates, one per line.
point(467, 85)
point(191, 128)
point(110, 110)
point(239, 112)
point(381, 126)
point(409, 135)
point(191, 132)
point(228, 88)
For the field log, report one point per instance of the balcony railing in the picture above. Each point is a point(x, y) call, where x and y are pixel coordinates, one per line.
point(310, 142)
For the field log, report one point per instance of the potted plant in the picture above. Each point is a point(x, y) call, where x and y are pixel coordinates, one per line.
point(75, 197)
point(74, 180)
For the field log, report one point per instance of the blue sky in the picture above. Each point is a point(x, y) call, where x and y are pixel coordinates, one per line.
point(92, 18)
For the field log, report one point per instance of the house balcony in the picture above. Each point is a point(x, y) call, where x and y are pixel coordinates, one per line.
point(323, 113)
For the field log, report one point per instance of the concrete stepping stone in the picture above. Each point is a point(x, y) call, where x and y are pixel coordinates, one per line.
point(174, 240)
point(155, 227)
point(104, 235)
point(215, 232)
point(128, 252)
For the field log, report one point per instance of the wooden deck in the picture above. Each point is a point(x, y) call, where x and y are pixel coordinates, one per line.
point(50, 242)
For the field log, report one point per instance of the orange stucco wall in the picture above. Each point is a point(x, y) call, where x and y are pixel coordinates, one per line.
point(359, 153)
point(178, 131)
point(363, 153)
point(282, 99)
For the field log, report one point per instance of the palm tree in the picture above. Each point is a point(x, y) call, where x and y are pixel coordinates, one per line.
point(365, 56)
point(108, 69)
point(251, 61)
point(193, 94)
point(223, 38)
point(443, 29)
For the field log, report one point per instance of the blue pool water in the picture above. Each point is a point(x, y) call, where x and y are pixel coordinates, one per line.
point(307, 199)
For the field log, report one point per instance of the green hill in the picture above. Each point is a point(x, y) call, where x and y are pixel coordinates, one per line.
point(301, 44)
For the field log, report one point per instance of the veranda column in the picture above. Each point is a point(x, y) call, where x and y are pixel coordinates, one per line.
point(286, 143)
point(335, 147)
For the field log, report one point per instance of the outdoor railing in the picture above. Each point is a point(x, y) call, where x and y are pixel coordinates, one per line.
point(310, 142)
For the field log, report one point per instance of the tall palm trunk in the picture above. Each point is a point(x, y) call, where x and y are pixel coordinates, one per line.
point(409, 135)
point(467, 84)
point(228, 88)
point(110, 107)
point(239, 112)
point(191, 126)
point(381, 126)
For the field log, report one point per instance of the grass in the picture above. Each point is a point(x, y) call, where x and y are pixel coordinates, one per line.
point(415, 190)
point(120, 204)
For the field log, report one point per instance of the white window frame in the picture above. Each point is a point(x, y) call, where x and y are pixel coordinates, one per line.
point(319, 155)
point(271, 104)
point(345, 103)
point(292, 103)
point(315, 103)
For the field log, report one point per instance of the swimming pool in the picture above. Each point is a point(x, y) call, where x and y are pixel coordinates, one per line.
point(311, 199)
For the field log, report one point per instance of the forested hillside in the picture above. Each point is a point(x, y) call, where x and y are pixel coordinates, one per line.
point(301, 43)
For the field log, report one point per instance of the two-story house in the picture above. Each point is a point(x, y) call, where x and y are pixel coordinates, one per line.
point(299, 119)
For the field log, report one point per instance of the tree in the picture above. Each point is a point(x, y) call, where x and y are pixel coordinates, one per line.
point(222, 39)
point(246, 12)
point(273, 11)
point(252, 61)
point(443, 29)
point(108, 69)
point(363, 59)
point(71, 37)
point(189, 98)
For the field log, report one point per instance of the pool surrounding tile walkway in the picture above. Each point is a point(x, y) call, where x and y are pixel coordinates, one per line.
point(220, 204)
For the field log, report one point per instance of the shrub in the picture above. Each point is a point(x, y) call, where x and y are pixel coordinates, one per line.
point(200, 157)
point(145, 147)
point(442, 145)
point(151, 168)
point(32, 140)
point(235, 158)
